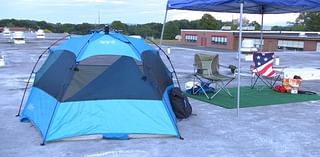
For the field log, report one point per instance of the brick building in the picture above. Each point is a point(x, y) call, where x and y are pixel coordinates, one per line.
point(272, 40)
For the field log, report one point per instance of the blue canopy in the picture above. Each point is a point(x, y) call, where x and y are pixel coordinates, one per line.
point(244, 6)
point(250, 6)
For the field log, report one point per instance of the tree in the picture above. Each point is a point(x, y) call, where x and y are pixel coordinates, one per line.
point(195, 24)
point(276, 28)
point(146, 30)
point(68, 27)
point(83, 28)
point(42, 24)
point(171, 30)
point(118, 25)
point(209, 22)
point(256, 25)
point(311, 21)
point(183, 24)
point(298, 27)
point(142, 30)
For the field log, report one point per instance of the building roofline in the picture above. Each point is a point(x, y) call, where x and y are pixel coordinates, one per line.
point(265, 31)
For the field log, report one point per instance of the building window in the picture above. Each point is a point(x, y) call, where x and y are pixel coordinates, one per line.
point(191, 38)
point(219, 40)
point(290, 45)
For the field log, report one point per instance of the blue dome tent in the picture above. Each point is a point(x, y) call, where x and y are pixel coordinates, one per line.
point(107, 84)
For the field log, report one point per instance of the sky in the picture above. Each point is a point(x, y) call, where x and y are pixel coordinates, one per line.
point(126, 11)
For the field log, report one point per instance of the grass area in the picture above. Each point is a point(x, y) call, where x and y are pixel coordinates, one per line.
point(253, 97)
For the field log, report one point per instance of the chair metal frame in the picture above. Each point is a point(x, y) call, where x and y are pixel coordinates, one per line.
point(206, 70)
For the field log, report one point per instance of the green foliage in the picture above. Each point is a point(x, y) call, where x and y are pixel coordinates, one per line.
point(256, 25)
point(305, 21)
point(118, 25)
point(209, 22)
point(310, 21)
point(183, 24)
point(83, 28)
point(146, 30)
point(276, 28)
point(298, 27)
point(171, 30)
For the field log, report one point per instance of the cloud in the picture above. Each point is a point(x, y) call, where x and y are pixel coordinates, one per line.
point(87, 1)
point(43, 3)
point(118, 2)
point(54, 3)
point(100, 1)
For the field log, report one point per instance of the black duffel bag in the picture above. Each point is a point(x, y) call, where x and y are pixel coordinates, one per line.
point(180, 104)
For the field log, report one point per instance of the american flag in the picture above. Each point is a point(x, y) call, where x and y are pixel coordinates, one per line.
point(263, 64)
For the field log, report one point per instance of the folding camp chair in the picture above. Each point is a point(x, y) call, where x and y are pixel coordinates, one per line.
point(206, 70)
point(263, 69)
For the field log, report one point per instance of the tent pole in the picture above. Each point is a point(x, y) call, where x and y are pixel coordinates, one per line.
point(33, 69)
point(173, 69)
point(261, 34)
point(53, 114)
point(239, 60)
point(164, 23)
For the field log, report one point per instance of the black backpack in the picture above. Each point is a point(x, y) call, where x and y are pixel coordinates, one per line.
point(180, 104)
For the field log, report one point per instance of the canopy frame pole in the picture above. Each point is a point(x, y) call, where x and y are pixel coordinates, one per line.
point(163, 26)
point(239, 60)
point(261, 30)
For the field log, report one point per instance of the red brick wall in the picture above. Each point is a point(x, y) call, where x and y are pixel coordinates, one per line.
point(183, 35)
point(204, 39)
point(228, 35)
point(310, 45)
point(270, 44)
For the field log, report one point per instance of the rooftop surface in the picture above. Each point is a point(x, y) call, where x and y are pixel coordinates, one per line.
point(287, 130)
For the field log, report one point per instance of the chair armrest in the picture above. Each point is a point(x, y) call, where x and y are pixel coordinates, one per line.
point(231, 67)
point(279, 68)
point(200, 70)
point(252, 67)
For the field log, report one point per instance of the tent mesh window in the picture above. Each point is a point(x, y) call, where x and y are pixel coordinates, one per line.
point(109, 77)
point(104, 77)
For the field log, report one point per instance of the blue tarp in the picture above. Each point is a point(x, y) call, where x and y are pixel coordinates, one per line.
point(250, 6)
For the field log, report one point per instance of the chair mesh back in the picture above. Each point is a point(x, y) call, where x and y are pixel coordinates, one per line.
point(263, 63)
point(207, 65)
point(215, 64)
